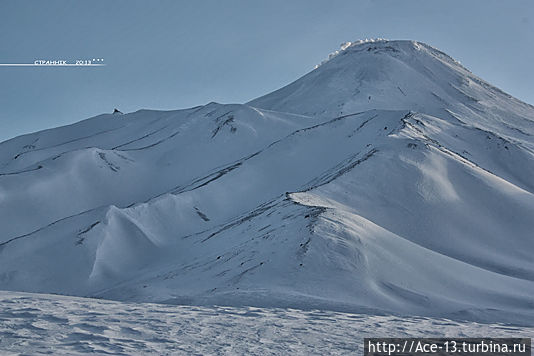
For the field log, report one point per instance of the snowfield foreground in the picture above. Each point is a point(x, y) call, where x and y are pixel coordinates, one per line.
point(50, 324)
point(389, 180)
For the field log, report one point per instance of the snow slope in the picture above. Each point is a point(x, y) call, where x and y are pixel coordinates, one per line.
point(43, 324)
point(388, 180)
point(403, 75)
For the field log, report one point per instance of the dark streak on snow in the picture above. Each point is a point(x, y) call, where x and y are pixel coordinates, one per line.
point(467, 96)
point(406, 294)
point(31, 146)
point(3, 244)
point(201, 214)
point(263, 228)
point(304, 246)
point(153, 144)
point(262, 208)
point(111, 166)
point(516, 129)
point(440, 99)
point(228, 121)
point(23, 171)
point(238, 278)
point(338, 170)
point(140, 138)
point(81, 238)
point(200, 182)
point(362, 125)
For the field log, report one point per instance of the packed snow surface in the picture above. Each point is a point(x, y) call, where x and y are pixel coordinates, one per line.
point(50, 324)
point(388, 180)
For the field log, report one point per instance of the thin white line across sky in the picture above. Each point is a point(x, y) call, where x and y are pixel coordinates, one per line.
point(49, 65)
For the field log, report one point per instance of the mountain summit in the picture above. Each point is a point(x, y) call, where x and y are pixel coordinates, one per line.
point(401, 75)
point(388, 179)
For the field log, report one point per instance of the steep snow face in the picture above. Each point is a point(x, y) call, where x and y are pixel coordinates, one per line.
point(402, 75)
point(421, 206)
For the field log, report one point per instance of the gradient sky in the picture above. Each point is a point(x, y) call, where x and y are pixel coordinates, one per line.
point(176, 54)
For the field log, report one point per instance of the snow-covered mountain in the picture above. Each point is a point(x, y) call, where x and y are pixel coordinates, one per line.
point(388, 179)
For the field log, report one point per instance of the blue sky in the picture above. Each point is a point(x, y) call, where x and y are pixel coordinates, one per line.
point(176, 54)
